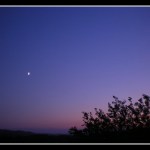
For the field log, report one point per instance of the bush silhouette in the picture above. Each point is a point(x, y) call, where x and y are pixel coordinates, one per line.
point(122, 116)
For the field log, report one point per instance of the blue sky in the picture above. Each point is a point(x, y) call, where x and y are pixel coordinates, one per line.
point(78, 58)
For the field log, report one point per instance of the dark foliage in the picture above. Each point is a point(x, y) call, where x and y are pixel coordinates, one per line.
point(123, 118)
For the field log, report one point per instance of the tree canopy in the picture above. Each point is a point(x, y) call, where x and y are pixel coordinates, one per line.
point(122, 116)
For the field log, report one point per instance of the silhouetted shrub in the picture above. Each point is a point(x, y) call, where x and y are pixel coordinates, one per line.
point(122, 116)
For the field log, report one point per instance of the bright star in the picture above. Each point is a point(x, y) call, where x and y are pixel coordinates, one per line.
point(29, 73)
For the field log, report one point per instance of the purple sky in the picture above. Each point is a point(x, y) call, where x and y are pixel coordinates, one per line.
point(78, 58)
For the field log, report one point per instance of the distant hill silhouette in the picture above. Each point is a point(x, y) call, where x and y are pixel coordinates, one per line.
point(17, 132)
point(8, 136)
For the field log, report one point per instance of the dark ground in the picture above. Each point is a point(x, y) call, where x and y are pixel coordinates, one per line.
point(7, 136)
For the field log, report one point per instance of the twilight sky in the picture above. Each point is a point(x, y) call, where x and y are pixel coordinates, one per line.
point(78, 58)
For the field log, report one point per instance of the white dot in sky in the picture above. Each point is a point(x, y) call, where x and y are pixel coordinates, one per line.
point(29, 73)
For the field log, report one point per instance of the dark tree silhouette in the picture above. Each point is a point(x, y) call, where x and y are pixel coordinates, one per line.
point(122, 116)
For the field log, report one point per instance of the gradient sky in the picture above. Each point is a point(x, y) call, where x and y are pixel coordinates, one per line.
point(78, 58)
